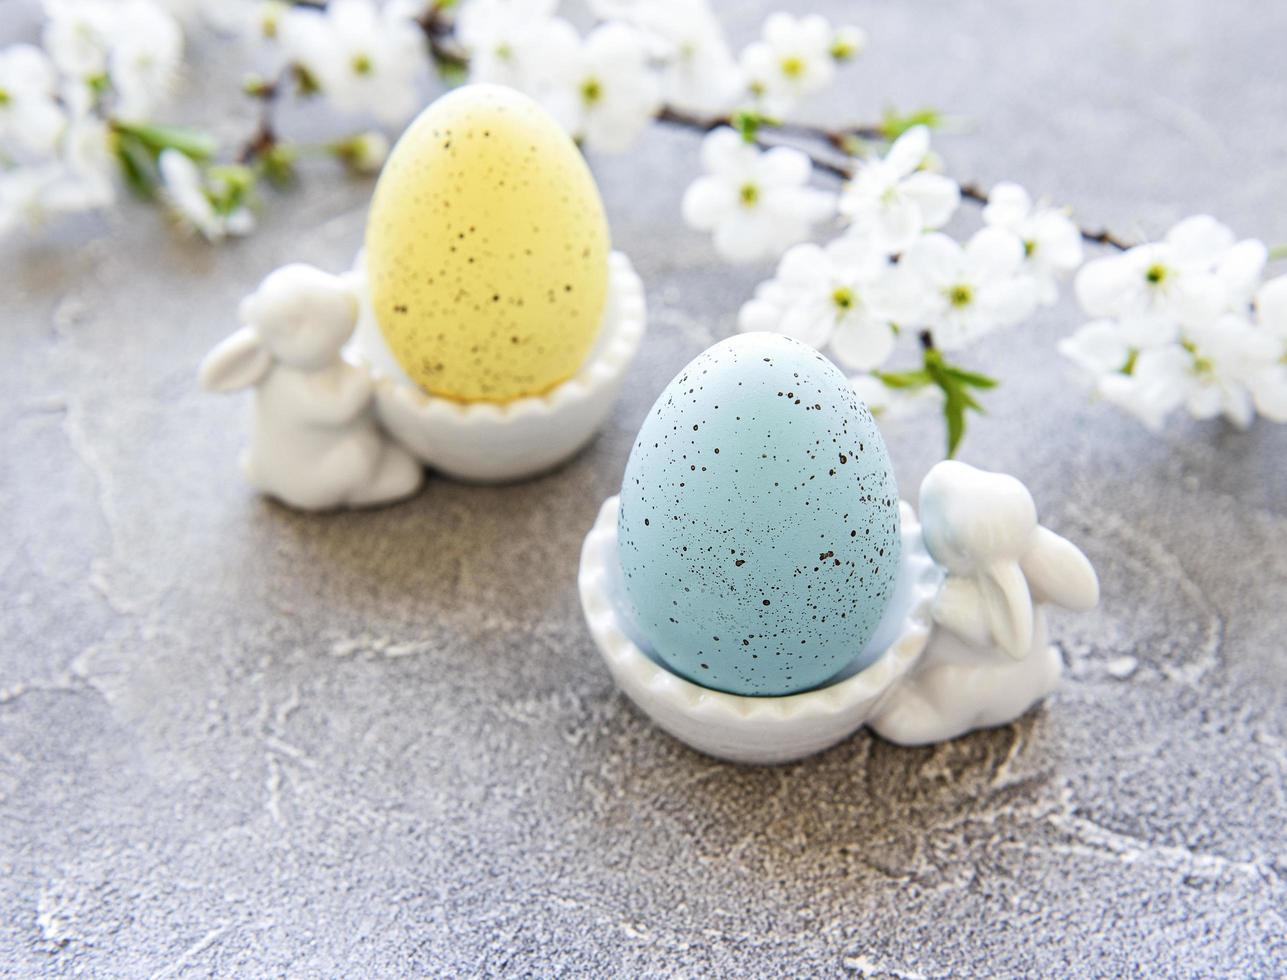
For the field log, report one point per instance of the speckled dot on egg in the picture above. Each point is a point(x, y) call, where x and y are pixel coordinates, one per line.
point(759, 529)
point(487, 249)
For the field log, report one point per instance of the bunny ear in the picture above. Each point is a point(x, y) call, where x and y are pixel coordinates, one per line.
point(1058, 572)
point(239, 362)
point(959, 607)
point(1008, 606)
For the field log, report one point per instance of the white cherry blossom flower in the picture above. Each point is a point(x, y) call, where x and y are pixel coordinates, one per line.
point(31, 195)
point(972, 290)
point(513, 42)
point(1154, 388)
point(78, 35)
point(89, 159)
point(1105, 346)
point(848, 42)
point(792, 59)
point(1230, 367)
point(1268, 383)
point(1227, 356)
point(29, 114)
point(892, 201)
point(1196, 273)
point(364, 59)
point(23, 196)
point(837, 296)
point(699, 74)
point(226, 16)
point(200, 204)
point(604, 91)
point(263, 20)
point(757, 203)
point(1051, 241)
point(364, 153)
point(144, 58)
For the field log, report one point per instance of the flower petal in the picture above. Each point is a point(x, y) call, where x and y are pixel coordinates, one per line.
point(725, 153)
point(742, 237)
point(1007, 301)
point(1271, 306)
point(1241, 268)
point(1008, 205)
point(1199, 242)
point(1098, 347)
point(805, 266)
point(909, 150)
point(993, 253)
point(862, 343)
point(1104, 287)
point(757, 315)
point(707, 201)
point(937, 196)
point(895, 224)
point(935, 259)
point(808, 322)
point(1269, 389)
point(783, 166)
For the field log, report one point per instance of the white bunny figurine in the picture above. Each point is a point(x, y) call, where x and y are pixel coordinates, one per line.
point(988, 660)
point(316, 444)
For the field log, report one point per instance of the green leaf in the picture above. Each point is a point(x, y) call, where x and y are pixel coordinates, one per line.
point(971, 378)
point(954, 414)
point(258, 86)
point(452, 73)
point(230, 186)
point(748, 122)
point(305, 83)
point(279, 163)
point(970, 401)
point(955, 383)
point(903, 379)
point(137, 164)
point(894, 123)
point(192, 143)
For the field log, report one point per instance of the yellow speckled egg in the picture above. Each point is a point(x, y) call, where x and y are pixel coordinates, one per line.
point(487, 249)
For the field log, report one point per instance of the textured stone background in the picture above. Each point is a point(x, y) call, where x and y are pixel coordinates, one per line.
point(234, 740)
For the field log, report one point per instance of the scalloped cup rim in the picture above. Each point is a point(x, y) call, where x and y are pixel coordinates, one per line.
point(532, 434)
point(613, 352)
point(775, 728)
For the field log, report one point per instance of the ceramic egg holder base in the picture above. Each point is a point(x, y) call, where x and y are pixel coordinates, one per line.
point(962, 645)
point(487, 442)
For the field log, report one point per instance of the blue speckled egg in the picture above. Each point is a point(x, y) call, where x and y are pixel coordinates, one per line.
point(758, 529)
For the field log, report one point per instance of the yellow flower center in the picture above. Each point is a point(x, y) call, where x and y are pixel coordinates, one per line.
point(960, 295)
point(591, 91)
point(1156, 274)
point(361, 64)
point(792, 66)
point(749, 194)
point(843, 297)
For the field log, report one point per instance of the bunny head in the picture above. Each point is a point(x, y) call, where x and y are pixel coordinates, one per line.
point(978, 525)
point(971, 517)
point(302, 315)
point(982, 527)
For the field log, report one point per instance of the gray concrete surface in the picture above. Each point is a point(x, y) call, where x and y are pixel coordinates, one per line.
point(239, 741)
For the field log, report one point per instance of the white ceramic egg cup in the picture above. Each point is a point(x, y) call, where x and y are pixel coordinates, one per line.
point(486, 442)
point(963, 642)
